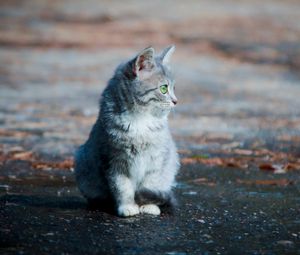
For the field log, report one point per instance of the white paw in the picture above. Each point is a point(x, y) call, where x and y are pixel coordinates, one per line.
point(128, 210)
point(150, 209)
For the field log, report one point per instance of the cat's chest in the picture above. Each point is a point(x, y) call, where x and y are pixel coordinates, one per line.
point(143, 130)
point(146, 139)
point(146, 161)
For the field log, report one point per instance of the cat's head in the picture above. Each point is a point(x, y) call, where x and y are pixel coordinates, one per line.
point(153, 82)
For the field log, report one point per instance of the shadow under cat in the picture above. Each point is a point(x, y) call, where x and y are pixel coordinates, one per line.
point(166, 202)
point(75, 203)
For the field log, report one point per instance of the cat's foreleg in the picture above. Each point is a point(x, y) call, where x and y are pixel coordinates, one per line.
point(123, 191)
point(154, 195)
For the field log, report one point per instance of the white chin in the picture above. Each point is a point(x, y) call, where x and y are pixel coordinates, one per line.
point(167, 105)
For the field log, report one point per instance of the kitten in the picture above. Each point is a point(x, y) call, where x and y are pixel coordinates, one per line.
point(130, 158)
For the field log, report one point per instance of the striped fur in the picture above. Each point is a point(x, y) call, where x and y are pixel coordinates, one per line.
point(130, 157)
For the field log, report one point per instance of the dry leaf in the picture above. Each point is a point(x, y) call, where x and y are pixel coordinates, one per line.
point(276, 182)
point(288, 138)
point(200, 180)
point(13, 133)
point(186, 161)
point(204, 181)
point(226, 162)
point(243, 152)
point(25, 155)
point(267, 167)
point(237, 163)
point(66, 164)
point(211, 161)
point(262, 152)
point(277, 169)
point(292, 166)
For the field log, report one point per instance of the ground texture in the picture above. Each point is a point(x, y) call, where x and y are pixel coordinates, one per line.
point(237, 124)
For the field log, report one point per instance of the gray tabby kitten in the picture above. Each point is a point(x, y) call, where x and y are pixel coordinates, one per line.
point(130, 158)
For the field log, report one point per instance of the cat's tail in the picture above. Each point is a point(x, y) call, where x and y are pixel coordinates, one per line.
point(165, 200)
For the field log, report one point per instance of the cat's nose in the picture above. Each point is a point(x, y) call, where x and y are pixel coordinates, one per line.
point(174, 101)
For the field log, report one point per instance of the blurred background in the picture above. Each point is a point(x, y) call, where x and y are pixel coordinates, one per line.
point(237, 66)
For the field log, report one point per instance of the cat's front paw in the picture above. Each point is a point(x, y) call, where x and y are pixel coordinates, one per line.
point(150, 209)
point(128, 210)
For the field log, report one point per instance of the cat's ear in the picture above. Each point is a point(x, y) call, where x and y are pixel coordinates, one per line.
point(166, 54)
point(144, 63)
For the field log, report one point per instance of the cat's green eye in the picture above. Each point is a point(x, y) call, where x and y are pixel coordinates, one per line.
point(163, 88)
